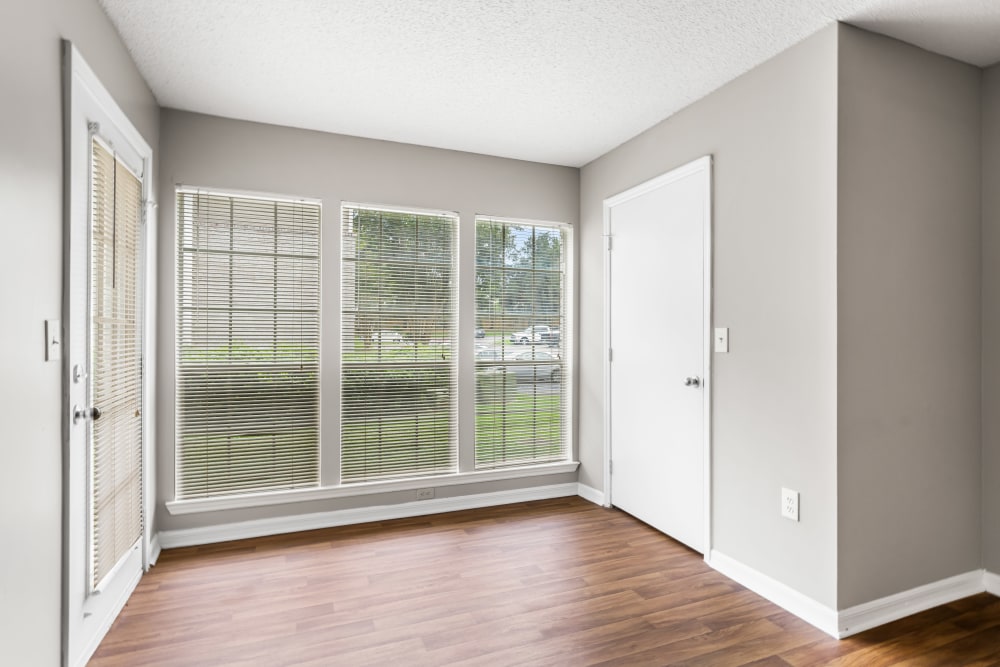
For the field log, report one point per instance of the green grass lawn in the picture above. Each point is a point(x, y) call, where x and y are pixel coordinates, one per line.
point(511, 427)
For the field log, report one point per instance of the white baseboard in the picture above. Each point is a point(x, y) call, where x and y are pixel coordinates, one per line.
point(864, 616)
point(900, 605)
point(991, 582)
point(186, 537)
point(784, 596)
point(591, 494)
point(154, 549)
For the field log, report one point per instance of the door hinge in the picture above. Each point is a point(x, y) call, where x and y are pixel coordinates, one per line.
point(611, 467)
point(609, 237)
point(610, 354)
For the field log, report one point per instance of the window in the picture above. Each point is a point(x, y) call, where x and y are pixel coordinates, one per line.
point(248, 317)
point(399, 335)
point(521, 383)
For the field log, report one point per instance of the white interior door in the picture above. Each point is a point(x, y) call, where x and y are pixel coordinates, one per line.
point(658, 370)
point(105, 531)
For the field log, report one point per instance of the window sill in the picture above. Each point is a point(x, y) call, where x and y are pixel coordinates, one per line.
point(365, 488)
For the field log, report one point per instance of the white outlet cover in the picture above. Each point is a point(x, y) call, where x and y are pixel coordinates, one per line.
point(790, 504)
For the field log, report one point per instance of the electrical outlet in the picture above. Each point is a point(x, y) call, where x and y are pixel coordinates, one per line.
point(425, 494)
point(790, 504)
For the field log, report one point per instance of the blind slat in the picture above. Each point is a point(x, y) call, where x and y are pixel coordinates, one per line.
point(248, 324)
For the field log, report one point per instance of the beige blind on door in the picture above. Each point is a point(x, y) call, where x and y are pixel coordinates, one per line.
point(399, 337)
point(521, 369)
point(248, 327)
point(115, 370)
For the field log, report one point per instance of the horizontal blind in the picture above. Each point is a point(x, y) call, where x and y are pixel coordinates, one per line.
point(115, 362)
point(248, 337)
point(399, 336)
point(521, 378)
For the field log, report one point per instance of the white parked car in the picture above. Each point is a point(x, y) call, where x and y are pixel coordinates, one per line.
point(526, 366)
point(388, 337)
point(537, 333)
point(535, 366)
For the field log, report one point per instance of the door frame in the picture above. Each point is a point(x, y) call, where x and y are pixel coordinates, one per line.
point(86, 100)
point(702, 164)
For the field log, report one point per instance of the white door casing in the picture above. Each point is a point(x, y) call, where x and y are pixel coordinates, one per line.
point(90, 607)
point(658, 379)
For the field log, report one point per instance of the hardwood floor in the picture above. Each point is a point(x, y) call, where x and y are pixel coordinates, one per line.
point(558, 582)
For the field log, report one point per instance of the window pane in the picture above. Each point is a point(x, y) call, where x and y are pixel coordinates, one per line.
point(399, 333)
point(247, 344)
point(521, 384)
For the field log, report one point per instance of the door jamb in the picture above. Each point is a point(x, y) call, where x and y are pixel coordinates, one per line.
point(701, 164)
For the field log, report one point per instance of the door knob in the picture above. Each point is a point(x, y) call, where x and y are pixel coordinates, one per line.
point(693, 381)
point(92, 414)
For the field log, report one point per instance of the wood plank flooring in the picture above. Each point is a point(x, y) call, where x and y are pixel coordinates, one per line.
point(557, 582)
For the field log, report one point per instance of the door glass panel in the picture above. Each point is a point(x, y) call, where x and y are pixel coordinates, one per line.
point(115, 453)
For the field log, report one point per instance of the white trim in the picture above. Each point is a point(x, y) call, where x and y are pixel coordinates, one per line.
point(991, 583)
point(672, 176)
point(894, 607)
point(861, 617)
point(98, 636)
point(171, 539)
point(523, 221)
point(784, 596)
point(365, 488)
point(150, 229)
point(154, 550)
point(701, 164)
point(397, 209)
point(707, 338)
point(606, 356)
point(591, 494)
point(246, 194)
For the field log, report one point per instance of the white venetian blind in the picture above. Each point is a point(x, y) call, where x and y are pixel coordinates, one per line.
point(248, 327)
point(399, 336)
point(115, 362)
point(521, 378)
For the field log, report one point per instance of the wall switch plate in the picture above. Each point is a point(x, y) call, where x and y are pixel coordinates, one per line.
point(425, 494)
point(53, 340)
point(790, 504)
point(722, 339)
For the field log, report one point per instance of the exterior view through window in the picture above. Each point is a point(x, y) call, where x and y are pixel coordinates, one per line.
point(399, 332)
point(521, 395)
point(247, 348)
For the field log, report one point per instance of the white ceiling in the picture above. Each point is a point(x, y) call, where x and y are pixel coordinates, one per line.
point(557, 81)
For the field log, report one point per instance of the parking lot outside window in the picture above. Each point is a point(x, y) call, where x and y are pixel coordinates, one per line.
point(521, 333)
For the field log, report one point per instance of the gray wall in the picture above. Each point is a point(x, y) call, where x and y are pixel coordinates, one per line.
point(773, 136)
point(31, 186)
point(909, 324)
point(991, 319)
point(203, 150)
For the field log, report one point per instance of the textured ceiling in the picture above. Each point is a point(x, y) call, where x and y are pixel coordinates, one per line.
point(557, 81)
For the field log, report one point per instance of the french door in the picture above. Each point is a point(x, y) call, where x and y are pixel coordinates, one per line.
point(104, 417)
